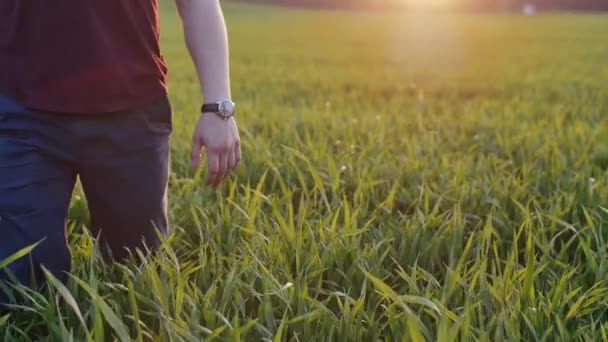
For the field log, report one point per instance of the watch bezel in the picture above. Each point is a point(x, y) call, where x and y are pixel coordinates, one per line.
point(225, 111)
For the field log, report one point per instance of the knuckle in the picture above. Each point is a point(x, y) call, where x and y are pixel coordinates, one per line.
point(221, 148)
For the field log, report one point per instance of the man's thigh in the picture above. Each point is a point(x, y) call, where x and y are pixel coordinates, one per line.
point(124, 175)
point(35, 190)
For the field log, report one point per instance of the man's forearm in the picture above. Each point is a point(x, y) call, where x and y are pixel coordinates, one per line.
point(207, 41)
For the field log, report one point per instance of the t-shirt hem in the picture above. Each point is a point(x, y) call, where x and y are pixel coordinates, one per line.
point(96, 108)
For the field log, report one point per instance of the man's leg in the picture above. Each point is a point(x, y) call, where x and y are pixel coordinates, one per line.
point(125, 176)
point(35, 189)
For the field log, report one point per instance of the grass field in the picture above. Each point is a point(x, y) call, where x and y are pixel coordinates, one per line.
point(405, 177)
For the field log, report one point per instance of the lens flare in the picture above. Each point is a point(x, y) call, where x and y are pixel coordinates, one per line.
point(430, 4)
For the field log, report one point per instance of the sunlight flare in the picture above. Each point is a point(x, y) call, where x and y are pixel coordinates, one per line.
point(431, 4)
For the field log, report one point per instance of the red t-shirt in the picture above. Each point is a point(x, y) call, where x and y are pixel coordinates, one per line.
point(81, 56)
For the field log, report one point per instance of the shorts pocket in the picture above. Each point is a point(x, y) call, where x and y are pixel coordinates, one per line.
point(158, 116)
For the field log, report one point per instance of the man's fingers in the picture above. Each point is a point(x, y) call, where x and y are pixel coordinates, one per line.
point(231, 160)
point(213, 161)
point(197, 146)
point(237, 153)
point(223, 168)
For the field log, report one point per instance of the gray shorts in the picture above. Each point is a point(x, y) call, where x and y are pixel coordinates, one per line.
point(122, 160)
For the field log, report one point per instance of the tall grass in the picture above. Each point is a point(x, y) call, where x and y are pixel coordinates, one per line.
point(405, 179)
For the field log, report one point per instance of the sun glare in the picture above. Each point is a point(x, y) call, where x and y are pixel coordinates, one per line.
point(430, 3)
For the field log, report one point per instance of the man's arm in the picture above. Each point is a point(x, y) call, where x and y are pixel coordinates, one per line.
point(207, 41)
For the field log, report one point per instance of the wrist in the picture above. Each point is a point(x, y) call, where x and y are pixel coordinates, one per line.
point(224, 109)
point(215, 99)
point(211, 97)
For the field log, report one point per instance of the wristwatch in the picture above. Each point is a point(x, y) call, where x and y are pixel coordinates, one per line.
point(224, 108)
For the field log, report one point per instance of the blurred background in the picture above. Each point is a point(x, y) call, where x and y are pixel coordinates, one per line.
point(528, 6)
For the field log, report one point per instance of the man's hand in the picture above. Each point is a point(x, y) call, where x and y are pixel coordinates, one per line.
point(207, 41)
point(221, 139)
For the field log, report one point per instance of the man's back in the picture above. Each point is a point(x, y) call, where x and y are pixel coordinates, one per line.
point(84, 56)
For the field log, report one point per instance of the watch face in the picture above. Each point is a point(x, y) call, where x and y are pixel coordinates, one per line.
point(227, 108)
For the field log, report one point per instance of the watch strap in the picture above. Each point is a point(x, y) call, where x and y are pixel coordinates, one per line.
point(210, 108)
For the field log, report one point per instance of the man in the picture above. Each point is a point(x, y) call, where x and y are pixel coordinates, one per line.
point(82, 93)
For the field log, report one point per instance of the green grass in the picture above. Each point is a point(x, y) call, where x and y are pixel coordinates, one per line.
point(404, 178)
